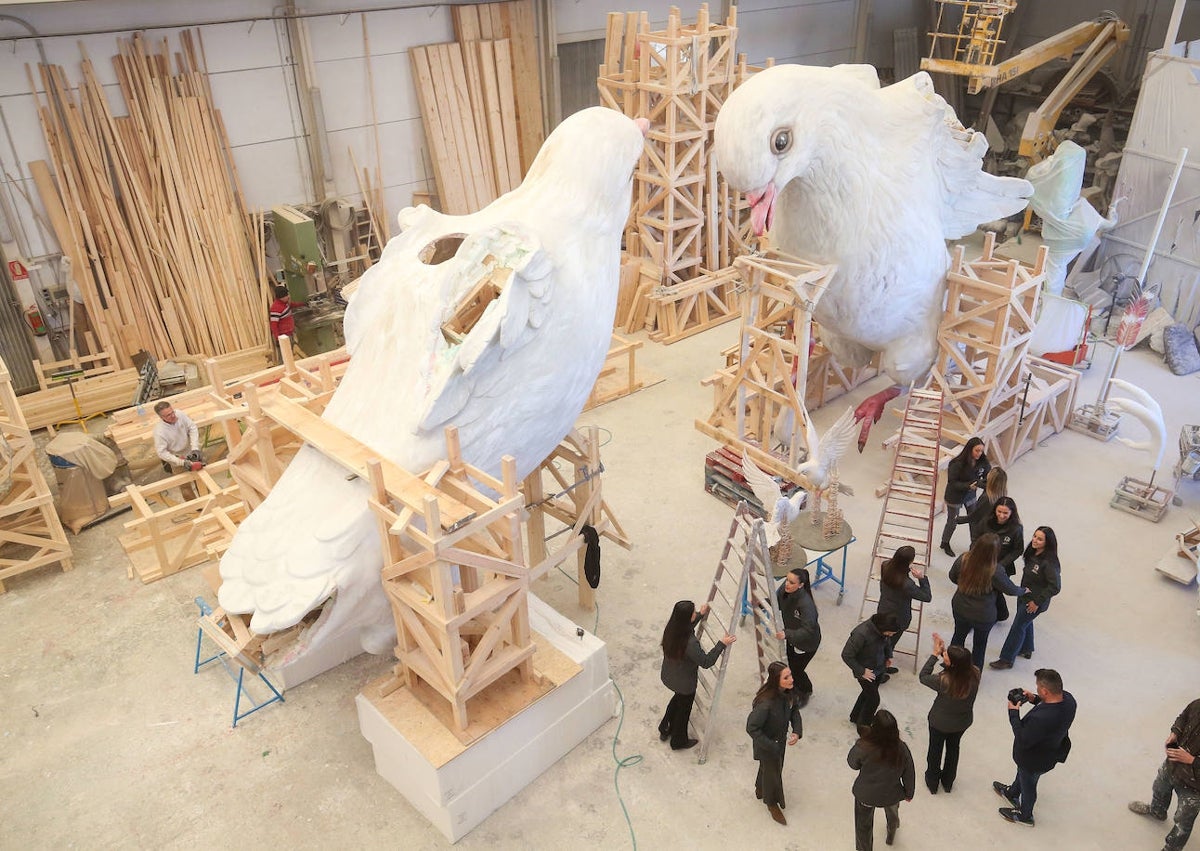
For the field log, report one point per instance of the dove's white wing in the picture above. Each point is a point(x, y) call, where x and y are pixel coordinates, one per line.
point(837, 439)
point(1138, 395)
point(765, 488)
point(969, 194)
point(466, 371)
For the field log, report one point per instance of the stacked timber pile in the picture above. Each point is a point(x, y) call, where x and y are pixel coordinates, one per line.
point(148, 206)
point(481, 103)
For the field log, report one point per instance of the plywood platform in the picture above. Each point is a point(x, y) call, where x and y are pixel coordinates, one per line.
point(514, 736)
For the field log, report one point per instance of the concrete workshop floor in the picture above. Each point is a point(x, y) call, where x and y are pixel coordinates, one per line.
point(109, 741)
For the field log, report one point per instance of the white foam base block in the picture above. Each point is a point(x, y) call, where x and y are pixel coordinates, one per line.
point(328, 656)
point(460, 794)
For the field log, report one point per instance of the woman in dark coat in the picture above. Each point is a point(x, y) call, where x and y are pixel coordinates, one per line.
point(801, 627)
point(865, 655)
point(1005, 524)
point(952, 712)
point(995, 486)
point(886, 776)
point(964, 474)
point(1043, 577)
point(897, 592)
point(774, 709)
point(682, 659)
point(980, 580)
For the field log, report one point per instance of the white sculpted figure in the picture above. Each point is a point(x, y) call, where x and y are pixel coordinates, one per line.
point(1069, 223)
point(513, 385)
point(874, 180)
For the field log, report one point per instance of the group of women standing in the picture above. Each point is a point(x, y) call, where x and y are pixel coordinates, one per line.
point(886, 774)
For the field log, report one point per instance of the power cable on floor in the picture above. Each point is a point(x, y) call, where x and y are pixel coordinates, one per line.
point(625, 762)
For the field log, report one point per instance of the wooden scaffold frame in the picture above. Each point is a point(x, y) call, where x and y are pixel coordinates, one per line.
point(779, 296)
point(687, 224)
point(31, 535)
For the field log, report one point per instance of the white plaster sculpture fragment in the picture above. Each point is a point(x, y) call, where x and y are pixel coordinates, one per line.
point(1143, 408)
point(873, 179)
point(1069, 223)
point(514, 385)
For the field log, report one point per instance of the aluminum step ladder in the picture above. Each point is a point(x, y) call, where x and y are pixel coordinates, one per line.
point(909, 505)
point(743, 579)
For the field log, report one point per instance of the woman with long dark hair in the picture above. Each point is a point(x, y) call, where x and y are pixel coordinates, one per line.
point(886, 776)
point(682, 659)
point(897, 591)
point(775, 708)
point(980, 580)
point(1042, 577)
point(964, 474)
point(1005, 524)
point(801, 627)
point(995, 486)
point(952, 712)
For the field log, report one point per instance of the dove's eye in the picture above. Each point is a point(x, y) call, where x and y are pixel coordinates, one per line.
point(781, 141)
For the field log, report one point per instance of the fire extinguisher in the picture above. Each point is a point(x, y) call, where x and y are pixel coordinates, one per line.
point(34, 317)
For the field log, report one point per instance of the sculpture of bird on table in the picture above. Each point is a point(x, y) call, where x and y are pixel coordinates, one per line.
point(513, 382)
point(874, 180)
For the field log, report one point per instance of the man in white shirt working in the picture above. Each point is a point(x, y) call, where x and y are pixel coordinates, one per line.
point(174, 435)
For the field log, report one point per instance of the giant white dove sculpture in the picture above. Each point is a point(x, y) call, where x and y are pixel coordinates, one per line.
point(513, 384)
point(873, 179)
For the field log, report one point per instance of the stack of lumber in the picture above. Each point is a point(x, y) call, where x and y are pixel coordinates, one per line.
point(148, 206)
point(95, 395)
point(480, 101)
point(84, 366)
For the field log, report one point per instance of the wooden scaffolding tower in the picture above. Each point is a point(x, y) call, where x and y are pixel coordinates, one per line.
point(993, 388)
point(31, 535)
point(686, 222)
point(779, 295)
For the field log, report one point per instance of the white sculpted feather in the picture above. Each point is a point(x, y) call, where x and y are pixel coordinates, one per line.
point(513, 384)
point(1148, 412)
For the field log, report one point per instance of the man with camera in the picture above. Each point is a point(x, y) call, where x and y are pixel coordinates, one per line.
point(1040, 741)
point(1180, 773)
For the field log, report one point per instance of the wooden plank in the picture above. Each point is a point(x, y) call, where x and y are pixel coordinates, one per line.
point(504, 84)
point(526, 78)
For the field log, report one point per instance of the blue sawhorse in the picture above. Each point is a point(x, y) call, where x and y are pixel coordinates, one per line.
point(222, 656)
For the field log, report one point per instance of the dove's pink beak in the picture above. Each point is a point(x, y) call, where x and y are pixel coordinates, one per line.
point(762, 208)
point(643, 125)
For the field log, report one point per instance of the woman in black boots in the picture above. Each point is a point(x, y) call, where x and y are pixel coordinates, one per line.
point(774, 708)
point(952, 712)
point(682, 659)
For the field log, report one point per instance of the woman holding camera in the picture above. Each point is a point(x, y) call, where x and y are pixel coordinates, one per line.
point(1043, 577)
point(980, 580)
point(682, 659)
point(886, 776)
point(897, 592)
point(965, 472)
point(952, 712)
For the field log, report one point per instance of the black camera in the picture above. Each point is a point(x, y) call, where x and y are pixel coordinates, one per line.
point(1017, 696)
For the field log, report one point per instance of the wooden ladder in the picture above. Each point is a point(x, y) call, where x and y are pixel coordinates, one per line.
point(742, 585)
point(365, 239)
point(909, 503)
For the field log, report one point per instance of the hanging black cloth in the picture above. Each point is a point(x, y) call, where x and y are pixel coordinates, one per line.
point(591, 559)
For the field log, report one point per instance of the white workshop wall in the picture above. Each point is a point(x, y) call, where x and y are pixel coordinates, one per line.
point(253, 86)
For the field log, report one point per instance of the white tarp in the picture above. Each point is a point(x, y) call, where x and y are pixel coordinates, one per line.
point(1167, 118)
